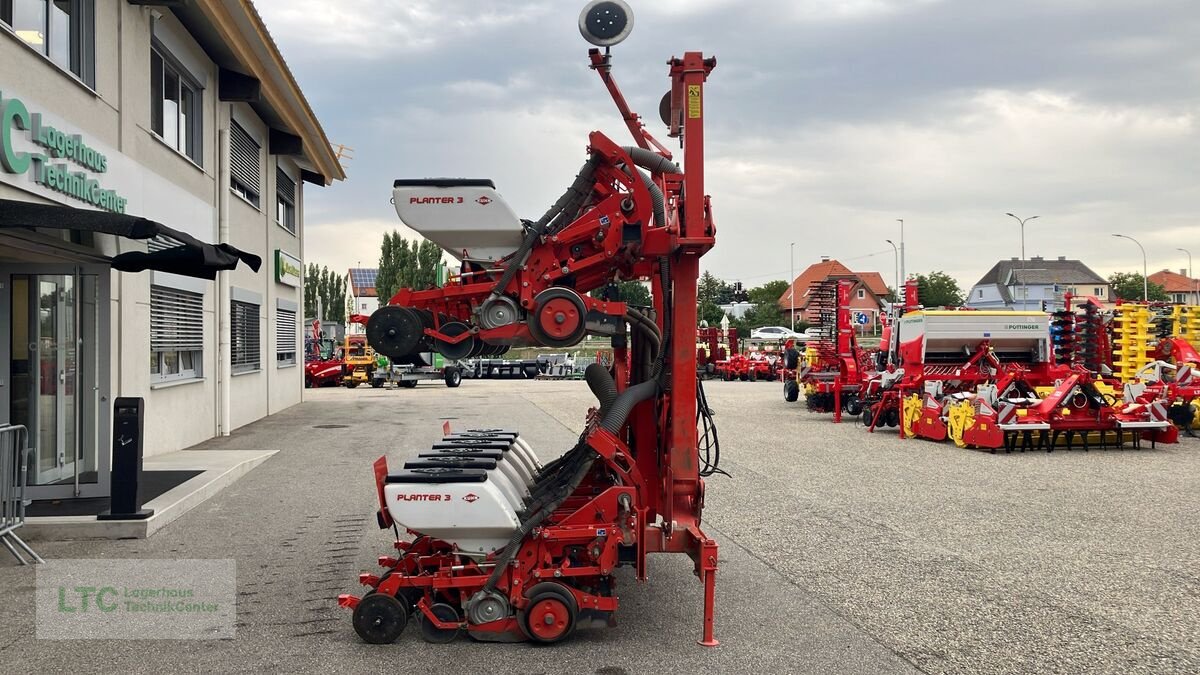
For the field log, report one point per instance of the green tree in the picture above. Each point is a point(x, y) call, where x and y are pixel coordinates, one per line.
point(769, 292)
point(938, 289)
point(326, 289)
point(387, 275)
point(635, 293)
point(1128, 286)
point(708, 312)
point(714, 290)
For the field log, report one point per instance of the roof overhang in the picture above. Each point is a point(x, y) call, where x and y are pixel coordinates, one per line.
point(253, 71)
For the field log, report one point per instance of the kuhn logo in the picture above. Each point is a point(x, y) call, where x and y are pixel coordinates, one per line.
point(485, 200)
point(422, 498)
point(470, 498)
point(435, 200)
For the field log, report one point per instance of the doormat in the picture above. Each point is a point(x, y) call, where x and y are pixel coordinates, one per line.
point(154, 484)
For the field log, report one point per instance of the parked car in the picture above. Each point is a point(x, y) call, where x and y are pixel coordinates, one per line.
point(776, 333)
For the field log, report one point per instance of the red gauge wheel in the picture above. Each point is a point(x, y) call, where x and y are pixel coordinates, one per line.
point(550, 614)
point(559, 318)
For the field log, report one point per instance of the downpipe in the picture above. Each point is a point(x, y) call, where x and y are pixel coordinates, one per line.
point(224, 338)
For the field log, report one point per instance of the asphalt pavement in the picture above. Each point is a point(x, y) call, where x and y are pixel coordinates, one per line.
point(841, 551)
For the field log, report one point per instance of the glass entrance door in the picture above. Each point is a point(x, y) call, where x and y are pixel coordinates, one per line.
point(54, 347)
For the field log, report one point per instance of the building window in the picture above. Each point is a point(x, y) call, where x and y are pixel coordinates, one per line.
point(1180, 298)
point(246, 346)
point(176, 104)
point(245, 158)
point(285, 337)
point(980, 291)
point(285, 201)
point(176, 334)
point(862, 293)
point(1098, 292)
point(62, 30)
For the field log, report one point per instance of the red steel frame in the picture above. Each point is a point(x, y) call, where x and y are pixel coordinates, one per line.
point(658, 495)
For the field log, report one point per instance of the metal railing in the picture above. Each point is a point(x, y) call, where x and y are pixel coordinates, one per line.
point(14, 451)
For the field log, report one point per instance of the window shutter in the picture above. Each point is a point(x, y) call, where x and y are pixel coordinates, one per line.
point(285, 332)
point(245, 335)
point(244, 158)
point(176, 320)
point(287, 186)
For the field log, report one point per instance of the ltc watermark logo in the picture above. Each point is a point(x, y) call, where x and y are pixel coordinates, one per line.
point(136, 599)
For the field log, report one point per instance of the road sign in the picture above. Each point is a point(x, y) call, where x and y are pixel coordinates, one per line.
point(861, 318)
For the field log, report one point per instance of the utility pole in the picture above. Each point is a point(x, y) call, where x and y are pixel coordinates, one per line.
point(1024, 285)
point(903, 278)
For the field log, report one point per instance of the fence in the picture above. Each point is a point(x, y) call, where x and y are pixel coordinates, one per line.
point(14, 450)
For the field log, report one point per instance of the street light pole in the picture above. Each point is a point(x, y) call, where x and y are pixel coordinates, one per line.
point(1024, 284)
point(792, 282)
point(1195, 284)
point(895, 312)
point(1145, 279)
point(902, 277)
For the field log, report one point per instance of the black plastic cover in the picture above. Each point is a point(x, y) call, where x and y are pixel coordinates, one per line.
point(444, 182)
point(439, 475)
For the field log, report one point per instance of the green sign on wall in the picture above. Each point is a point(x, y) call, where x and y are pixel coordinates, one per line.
point(287, 269)
point(15, 116)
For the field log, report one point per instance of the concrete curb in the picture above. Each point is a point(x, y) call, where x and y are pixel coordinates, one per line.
point(221, 468)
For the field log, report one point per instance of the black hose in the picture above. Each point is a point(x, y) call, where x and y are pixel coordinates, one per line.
point(602, 385)
point(656, 199)
point(624, 403)
point(575, 193)
point(651, 161)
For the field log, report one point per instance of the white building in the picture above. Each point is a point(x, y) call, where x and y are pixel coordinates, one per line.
point(183, 113)
point(361, 295)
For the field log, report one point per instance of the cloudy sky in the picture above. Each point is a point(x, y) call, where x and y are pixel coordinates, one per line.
point(826, 120)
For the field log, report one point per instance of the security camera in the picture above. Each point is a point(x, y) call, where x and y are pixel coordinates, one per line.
point(605, 23)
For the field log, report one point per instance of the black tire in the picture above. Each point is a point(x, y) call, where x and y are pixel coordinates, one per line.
point(868, 416)
point(560, 619)
point(453, 377)
point(375, 384)
point(408, 384)
point(852, 405)
point(791, 391)
point(379, 618)
point(351, 384)
point(892, 418)
point(753, 376)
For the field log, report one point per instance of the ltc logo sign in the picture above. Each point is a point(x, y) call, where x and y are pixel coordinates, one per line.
point(470, 498)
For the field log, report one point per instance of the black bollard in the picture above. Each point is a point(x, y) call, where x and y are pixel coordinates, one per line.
point(128, 423)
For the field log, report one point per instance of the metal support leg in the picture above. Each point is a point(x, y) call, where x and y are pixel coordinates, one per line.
point(708, 575)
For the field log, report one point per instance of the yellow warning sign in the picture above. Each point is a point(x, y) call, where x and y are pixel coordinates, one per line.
point(694, 101)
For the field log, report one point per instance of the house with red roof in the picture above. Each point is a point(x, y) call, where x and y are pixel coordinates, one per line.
point(867, 297)
point(1181, 289)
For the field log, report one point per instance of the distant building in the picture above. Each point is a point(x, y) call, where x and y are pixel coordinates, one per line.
point(1036, 283)
point(736, 310)
point(1181, 289)
point(867, 297)
point(360, 291)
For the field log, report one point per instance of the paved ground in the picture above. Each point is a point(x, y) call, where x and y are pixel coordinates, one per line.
point(841, 551)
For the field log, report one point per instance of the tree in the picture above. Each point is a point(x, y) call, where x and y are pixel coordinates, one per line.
point(769, 292)
point(327, 289)
point(765, 310)
point(938, 289)
point(1128, 286)
point(635, 293)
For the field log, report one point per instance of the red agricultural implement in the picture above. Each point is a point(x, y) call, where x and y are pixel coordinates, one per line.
point(834, 368)
point(996, 380)
point(713, 346)
point(498, 545)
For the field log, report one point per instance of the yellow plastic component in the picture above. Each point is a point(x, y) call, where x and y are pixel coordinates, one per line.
point(960, 417)
point(911, 412)
point(1134, 343)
